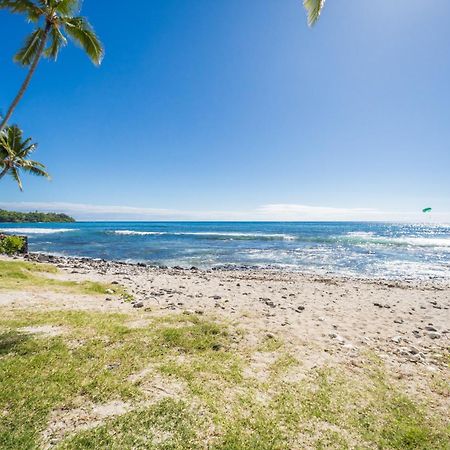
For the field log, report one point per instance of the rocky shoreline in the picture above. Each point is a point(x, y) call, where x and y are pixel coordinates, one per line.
point(104, 265)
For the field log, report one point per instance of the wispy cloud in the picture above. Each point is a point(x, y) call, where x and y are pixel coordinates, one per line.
point(295, 210)
point(269, 212)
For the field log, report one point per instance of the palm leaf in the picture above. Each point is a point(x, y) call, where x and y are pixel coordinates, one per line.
point(35, 168)
point(28, 52)
point(313, 8)
point(15, 174)
point(14, 137)
point(27, 149)
point(81, 31)
point(66, 7)
point(57, 40)
point(32, 11)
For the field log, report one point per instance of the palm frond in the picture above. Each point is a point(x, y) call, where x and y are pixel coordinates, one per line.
point(81, 31)
point(57, 41)
point(32, 11)
point(27, 149)
point(66, 7)
point(28, 52)
point(35, 168)
point(313, 8)
point(15, 174)
point(14, 137)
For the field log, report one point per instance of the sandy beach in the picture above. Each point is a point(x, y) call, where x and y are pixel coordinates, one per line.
point(326, 319)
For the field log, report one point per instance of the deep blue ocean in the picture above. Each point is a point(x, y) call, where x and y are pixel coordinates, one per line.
point(380, 250)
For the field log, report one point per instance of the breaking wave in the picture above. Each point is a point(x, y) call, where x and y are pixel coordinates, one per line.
point(210, 235)
point(31, 231)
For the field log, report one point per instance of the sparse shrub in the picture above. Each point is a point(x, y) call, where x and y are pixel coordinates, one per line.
point(11, 245)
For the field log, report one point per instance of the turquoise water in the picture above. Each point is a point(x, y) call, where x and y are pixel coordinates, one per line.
point(361, 249)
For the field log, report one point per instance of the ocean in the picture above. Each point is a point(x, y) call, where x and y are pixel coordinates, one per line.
point(370, 250)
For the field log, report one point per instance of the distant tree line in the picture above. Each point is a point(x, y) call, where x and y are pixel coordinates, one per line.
point(36, 216)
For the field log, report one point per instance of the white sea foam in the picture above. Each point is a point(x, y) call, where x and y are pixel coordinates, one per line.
point(137, 233)
point(29, 231)
point(208, 234)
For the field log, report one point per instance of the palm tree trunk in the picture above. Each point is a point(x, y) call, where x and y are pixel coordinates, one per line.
point(4, 172)
point(27, 80)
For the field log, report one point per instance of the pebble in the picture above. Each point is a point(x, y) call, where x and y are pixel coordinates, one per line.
point(434, 335)
point(138, 305)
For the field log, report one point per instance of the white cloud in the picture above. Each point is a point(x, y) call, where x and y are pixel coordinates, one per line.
point(306, 211)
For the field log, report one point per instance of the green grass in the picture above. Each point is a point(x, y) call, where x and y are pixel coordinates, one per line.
point(92, 361)
point(22, 275)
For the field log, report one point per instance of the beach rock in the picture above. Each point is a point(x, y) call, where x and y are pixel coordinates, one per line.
point(434, 335)
point(398, 320)
point(430, 328)
point(138, 305)
point(300, 308)
point(268, 302)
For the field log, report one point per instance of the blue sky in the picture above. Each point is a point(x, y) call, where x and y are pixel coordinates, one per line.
point(230, 110)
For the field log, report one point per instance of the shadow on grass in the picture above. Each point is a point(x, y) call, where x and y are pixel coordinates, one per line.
point(11, 340)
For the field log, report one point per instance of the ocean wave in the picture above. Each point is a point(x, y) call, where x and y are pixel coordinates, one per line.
point(30, 231)
point(137, 233)
point(210, 234)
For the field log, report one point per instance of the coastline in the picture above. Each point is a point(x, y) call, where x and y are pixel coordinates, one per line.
point(430, 282)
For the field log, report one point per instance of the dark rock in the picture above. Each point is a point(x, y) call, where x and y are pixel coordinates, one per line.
point(138, 305)
point(434, 335)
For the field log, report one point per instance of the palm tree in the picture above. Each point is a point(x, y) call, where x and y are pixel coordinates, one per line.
point(54, 19)
point(14, 153)
point(313, 8)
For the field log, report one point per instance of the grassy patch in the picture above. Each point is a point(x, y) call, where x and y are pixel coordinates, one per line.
point(22, 275)
point(216, 407)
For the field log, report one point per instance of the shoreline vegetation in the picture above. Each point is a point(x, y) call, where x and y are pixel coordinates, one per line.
point(102, 354)
point(33, 217)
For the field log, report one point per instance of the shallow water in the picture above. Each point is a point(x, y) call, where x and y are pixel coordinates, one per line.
point(407, 251)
